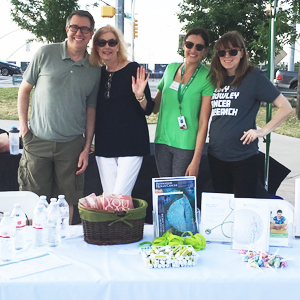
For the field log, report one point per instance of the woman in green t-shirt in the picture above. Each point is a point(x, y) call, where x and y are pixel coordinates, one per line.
point(183, 99)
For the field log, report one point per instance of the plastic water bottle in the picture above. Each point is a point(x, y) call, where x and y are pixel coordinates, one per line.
point(14, 141)
point(52, 200)
point(20, 223)
point(7, 238)
point(39, 225)
point(43, 199)
point(53, 224)
point(64, 210)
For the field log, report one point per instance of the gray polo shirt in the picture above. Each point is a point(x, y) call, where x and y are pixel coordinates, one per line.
point(63, 91)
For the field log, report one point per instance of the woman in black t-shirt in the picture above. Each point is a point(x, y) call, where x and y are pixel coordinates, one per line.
point(233, 144)
point(121, 131)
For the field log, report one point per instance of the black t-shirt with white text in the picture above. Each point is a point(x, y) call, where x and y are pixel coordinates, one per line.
point(234, 110)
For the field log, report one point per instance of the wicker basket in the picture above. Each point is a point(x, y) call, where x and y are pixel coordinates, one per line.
point(103, 227)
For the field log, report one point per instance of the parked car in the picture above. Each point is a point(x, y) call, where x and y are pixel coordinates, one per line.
point(7, 68)
point(286, 79)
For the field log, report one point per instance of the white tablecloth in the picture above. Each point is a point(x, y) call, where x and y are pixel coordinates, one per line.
point(99, 272)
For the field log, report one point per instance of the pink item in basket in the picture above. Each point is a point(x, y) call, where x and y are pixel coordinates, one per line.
point(92, 200)
point(99, 202)
point(117, 202)
point(83, 202)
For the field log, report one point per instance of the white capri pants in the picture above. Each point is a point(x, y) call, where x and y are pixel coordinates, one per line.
point(118, 174)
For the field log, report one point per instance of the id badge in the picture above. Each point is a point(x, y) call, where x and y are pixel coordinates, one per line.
point(182, 123)
point(174, 86)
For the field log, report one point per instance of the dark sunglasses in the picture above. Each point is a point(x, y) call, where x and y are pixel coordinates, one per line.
point(232, 52)
point(190, 45)
point(111, 43)
point(83, 29)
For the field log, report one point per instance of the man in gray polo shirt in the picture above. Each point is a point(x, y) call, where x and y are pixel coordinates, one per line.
point(58, 138)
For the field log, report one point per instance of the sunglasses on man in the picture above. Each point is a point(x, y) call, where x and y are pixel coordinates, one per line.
point(111, 43)
point(190, 45)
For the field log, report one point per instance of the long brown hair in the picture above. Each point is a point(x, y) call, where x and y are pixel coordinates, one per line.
point(217, 72)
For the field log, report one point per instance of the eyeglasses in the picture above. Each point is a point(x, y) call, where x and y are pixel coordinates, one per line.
point(111, 43)
point(83, 29)
point(190, 45)
point(108, 85)
point(231, 52)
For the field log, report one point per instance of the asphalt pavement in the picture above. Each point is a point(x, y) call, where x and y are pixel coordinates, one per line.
point(7, 81)
point(284, 149)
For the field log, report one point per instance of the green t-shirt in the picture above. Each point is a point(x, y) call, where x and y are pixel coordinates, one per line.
point(167, 130)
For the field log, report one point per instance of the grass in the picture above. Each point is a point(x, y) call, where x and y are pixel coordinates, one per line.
point(9, 104)
point(290, 127)
point(9, 111)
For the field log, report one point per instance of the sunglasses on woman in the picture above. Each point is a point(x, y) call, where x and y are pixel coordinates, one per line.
point(231, 52)
point(111, 43)
point(190, 45)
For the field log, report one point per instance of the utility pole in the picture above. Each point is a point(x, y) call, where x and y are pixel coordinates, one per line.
point(119, 15)
point(132, 28)
point(271, 12)
point(292, 55)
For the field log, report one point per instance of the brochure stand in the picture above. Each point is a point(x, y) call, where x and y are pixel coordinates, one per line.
point(217, 213)
point(174, 205)
point(251, 225)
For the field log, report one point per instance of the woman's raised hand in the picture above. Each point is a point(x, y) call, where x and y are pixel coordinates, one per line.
point(139, 83)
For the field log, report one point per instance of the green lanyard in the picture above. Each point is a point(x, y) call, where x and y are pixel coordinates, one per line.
point(181, 93)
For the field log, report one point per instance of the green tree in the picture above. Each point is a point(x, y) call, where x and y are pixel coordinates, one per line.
point(296, 66)
point(46, 19)
point(295, 8)
point(248, 17)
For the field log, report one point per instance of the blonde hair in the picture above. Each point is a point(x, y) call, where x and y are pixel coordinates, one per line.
point(95, 59)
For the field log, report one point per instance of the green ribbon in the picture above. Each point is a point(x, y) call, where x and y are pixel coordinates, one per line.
point(180, 92)
point(123, 219)
point(197, 241)
point(144, 243)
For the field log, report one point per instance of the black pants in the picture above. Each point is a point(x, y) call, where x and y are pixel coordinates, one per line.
point(235, 177)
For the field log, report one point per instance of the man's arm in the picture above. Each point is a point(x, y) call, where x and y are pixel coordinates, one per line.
point(89, 133)
point(23, 105)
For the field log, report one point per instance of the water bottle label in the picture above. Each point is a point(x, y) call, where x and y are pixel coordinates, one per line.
point(37, 226)
point(21, 224)
point(4, 236)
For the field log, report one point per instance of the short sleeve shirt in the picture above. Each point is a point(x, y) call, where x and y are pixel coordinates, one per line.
point(234, 110)
point(281, 221)
point(63, 91)
point(168, 131)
